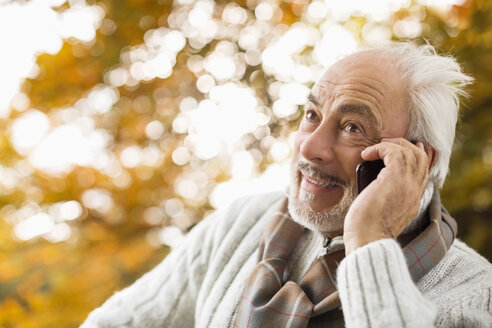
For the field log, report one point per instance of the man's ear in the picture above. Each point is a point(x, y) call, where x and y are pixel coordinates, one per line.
point(431, 154)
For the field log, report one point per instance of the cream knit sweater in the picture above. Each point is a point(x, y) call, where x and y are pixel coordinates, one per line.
point(199, 284)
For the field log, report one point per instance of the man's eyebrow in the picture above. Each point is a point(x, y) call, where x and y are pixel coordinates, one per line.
point(313, 99)
point(361, 110)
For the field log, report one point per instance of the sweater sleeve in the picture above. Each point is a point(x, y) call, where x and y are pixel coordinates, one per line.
point(165, 296)
point(376, 289)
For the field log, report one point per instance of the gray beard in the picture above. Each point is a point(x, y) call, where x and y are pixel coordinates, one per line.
point(326, 222)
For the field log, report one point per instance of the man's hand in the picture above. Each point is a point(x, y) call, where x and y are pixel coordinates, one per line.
point(389, 203)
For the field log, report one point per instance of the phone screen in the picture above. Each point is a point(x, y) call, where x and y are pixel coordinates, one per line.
point(367, 172)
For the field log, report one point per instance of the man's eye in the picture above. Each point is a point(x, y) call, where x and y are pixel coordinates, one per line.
point(352, 128)
point(311, 115)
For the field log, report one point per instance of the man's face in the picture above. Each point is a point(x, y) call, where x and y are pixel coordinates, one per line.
point(358, 101)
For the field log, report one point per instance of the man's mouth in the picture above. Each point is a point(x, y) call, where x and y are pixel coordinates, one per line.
point(320, 183)
point(317, 185)
point(317, 182)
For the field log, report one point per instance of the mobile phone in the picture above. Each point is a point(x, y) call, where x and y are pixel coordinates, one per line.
point(366, 172)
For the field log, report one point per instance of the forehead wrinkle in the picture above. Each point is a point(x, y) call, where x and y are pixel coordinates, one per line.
point(322, 83)
point(324, 90)
point(364, 83)
point(374, 97)
point(368, 83)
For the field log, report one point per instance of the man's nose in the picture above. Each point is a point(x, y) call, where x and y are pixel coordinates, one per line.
point(318, 146)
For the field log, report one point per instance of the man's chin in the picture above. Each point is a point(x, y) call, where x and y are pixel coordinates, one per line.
point(318, 203)
point(327, 221)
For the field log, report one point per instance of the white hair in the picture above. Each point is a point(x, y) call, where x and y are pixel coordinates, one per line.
point(435, 85)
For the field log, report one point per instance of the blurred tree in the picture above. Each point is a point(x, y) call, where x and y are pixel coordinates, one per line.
point(149, 98)
point(467, 34)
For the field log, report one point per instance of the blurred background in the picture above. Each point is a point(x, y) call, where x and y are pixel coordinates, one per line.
point(124, 123)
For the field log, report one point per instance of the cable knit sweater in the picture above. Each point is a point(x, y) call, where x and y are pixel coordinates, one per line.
point(199, 284)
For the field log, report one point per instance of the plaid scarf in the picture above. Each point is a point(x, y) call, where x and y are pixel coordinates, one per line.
point(269, 301)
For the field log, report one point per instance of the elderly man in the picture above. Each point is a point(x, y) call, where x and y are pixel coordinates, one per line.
point(325, 255)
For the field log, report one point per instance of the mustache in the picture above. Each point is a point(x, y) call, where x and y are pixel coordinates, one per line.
point(311, 170)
